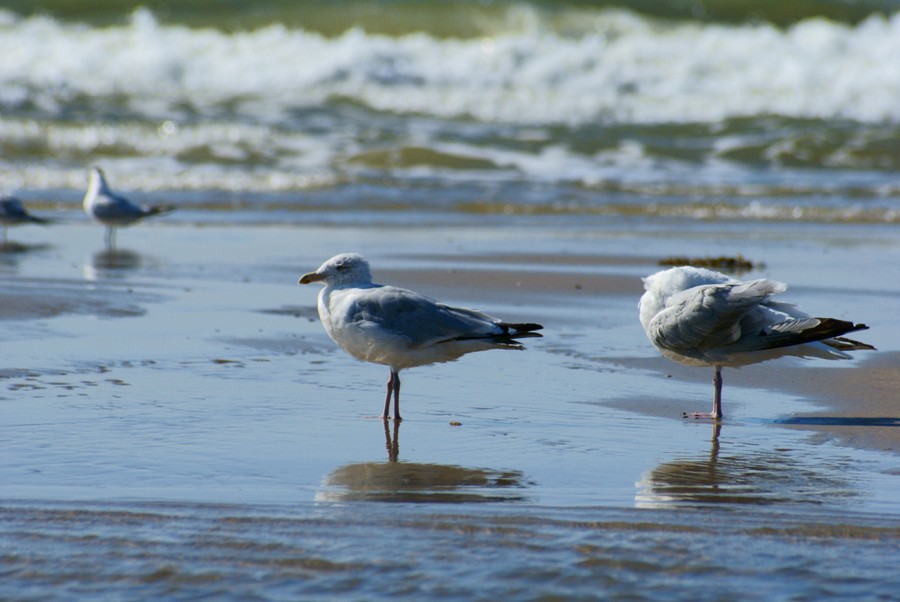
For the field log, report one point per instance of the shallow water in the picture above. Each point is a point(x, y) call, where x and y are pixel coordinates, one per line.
point(227, 552)
point(180, 426)
point(522, 107)
point(174, 423)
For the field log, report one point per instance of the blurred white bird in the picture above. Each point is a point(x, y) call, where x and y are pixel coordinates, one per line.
point(700, 317)
point(12, 213)
point(113, 210)
point(400, 328)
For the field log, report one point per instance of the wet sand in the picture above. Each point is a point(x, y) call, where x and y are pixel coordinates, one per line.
point(176, 423)
point(860, 402)
point(558, 282)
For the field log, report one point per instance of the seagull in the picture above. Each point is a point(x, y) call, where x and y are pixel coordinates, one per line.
point(113, 210)
point(12, 213)
point(401, 328)
point(700, 317)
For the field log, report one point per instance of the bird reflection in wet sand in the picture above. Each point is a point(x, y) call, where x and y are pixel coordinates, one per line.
point(113, 210)
point(400, 328)
point(111, 263)
point(392, 443)
point(699, 317)
point(395, 481)
point(13, 213)
point(115, 259)
point(761, 478)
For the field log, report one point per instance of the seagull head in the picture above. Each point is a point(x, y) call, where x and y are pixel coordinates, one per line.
point(343, 269)
point(96, 179)
point(674, 280)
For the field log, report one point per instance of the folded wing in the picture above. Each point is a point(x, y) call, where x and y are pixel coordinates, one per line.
point(424, 321)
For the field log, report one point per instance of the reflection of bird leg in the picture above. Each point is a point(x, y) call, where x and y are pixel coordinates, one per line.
point(712, 476)
point(716, 413)
point(392, 444)
point(110, 238)
point(714, 449)
point(393, 386)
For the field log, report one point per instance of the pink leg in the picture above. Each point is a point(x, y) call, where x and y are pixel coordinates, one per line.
point(397, 417)
point(716, 413)
point(393, 388)
point(387, 400)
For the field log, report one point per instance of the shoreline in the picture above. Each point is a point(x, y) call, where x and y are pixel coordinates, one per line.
point(584, 298)
point(858, 404)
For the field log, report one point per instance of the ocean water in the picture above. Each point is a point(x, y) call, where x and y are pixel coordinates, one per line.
point(701, 109)
point(174, 423)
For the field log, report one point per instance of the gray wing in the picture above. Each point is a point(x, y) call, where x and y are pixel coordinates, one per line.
point(110, 206)
point(712, 316)
point(12, 211)
point(421, 319)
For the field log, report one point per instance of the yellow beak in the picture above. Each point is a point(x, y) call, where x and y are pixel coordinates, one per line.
point(311, 277)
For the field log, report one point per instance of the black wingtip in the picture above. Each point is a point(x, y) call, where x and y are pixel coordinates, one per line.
point(160, 209)
point(827, 330)
point(521, 327)
point(523, 330)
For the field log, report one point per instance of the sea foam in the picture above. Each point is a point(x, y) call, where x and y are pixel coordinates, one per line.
point(625, 68)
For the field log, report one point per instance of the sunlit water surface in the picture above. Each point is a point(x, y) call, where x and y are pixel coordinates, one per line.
point(177, 425)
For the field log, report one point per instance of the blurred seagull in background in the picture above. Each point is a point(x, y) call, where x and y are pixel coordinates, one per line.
point(401, 328)
point(12, 213)
point(113, 210)
point(700, 317)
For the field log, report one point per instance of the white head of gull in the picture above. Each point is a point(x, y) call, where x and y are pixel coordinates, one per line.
point(400, 328)
point(700, 317)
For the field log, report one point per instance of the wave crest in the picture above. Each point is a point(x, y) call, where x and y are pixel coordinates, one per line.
point(627, 69)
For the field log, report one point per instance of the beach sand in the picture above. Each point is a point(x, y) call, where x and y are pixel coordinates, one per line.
point(857, 404)
point(583, 298)
point(174, 418)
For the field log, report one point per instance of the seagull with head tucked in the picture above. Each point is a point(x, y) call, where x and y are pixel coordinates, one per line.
point(400, 328)
point(12, 213)
point(699, 317)
point(113, 210)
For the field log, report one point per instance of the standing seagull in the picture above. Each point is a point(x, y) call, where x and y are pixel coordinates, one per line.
point(700, 317)
point(400, 328)
point(112, 210)
point(12, 213)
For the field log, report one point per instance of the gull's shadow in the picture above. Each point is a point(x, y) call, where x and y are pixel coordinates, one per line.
point(756, 478)
point(838, 421)
point(396, 481)
point(113, 263)
point(11, 247)
point(116, 259)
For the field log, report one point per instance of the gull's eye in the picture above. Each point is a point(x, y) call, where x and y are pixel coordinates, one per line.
point(341, 267)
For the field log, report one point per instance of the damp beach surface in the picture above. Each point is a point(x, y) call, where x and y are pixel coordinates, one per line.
point(177, 424)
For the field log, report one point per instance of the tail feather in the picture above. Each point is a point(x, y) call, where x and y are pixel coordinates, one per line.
point(845, 344)
point(525, 330)
point(160, 209)
point(808, 330)
point(510, 335)
point(520, 328)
